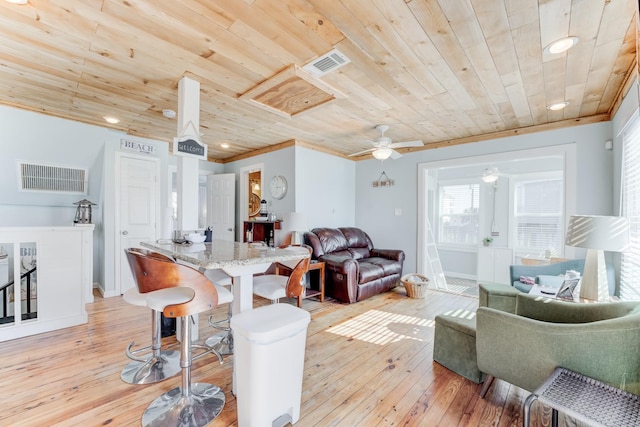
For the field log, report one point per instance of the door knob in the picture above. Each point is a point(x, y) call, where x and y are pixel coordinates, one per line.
point(125, 232)
point(229, 229)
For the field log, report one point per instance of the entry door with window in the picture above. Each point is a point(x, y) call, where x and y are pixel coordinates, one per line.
point(138, 203)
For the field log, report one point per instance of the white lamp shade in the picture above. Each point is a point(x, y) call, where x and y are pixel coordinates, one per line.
point(607, 233)
point(296, 221)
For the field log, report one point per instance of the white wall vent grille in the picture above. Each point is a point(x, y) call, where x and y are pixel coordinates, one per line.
point(330, 61)
point(56, 179)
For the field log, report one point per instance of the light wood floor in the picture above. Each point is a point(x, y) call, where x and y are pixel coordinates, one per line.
point(357, 372)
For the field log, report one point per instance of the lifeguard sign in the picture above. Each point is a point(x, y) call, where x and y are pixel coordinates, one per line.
point(189, 146)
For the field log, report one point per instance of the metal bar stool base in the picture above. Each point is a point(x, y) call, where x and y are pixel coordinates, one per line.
point(221, 342)
point(203, 404)
point(154, 370)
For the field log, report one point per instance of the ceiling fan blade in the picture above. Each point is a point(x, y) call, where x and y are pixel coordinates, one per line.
point(395, 154)
point(359, 153)
point(416, 143)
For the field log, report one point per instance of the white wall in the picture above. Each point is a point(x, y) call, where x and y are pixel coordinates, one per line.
point(325, 189)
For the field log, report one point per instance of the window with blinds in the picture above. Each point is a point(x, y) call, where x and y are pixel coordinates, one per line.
point(458, 214)
point(538, 215)
point(630, 262)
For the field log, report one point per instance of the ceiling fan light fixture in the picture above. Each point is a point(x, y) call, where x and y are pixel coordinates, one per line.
point(561, 45)
point(490, 175)
point(17, 1)
point(382, 153)
point(558, 106)
point(224, 145)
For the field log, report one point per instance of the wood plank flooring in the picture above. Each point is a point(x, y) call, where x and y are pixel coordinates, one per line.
point(366, 364)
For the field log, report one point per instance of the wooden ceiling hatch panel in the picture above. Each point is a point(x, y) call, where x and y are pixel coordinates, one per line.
point(291, 92)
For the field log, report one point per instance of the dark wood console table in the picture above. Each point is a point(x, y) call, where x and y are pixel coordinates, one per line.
point(260, 230)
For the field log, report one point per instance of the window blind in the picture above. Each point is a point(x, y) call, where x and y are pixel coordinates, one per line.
point(630, 262)
point(538, 215)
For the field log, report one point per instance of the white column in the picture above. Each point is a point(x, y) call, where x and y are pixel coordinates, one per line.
point(188, 167)
point(187, 174)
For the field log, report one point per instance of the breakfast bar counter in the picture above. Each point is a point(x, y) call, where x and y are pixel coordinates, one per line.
point(239, 260)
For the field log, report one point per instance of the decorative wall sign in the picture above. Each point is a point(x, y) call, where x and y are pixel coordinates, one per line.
point(189, 145)
point(383, 181)
point(137, 147)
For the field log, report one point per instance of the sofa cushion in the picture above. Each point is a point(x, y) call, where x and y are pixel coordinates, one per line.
point(356, 238)
point(388, 266)
point(369, 272)
point(550, 281)
point(359, 253)
point(331, 239)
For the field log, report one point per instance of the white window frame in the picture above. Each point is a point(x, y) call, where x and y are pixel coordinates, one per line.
point(438, 214)
point(513, 241)
point(426, 183)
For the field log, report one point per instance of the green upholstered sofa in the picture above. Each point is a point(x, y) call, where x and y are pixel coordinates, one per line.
point(543, 272)
point(599, 340)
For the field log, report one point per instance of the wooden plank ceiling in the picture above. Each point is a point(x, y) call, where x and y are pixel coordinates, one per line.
point(444, 72)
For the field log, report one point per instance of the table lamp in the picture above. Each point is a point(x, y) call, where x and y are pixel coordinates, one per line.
point(297, 223)
point(597, 234)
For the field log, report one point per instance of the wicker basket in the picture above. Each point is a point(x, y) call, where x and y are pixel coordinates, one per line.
point(415, 285)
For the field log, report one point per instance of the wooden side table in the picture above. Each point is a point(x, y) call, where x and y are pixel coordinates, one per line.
point(319, 266)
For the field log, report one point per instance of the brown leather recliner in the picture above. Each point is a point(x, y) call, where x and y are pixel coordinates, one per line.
point(354, 270)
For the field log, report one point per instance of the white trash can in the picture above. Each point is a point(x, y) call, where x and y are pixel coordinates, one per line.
point(269, 346)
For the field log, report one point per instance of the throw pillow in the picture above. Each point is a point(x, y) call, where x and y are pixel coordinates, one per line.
point(527, 280)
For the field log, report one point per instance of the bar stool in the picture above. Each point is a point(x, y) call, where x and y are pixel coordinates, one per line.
point(181, 292)
point(275, 286)
point(160, 364)
point(223, 340)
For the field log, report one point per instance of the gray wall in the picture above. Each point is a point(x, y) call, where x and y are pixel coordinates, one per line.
point(375, 207)
point(320, 186)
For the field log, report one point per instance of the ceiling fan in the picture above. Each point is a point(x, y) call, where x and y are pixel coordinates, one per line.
point(384, 148)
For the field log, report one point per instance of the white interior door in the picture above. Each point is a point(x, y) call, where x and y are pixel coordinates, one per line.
point(138, 207)
point(221, 209)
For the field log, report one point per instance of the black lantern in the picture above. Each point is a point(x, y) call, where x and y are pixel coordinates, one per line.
point(263, 207)
point(83, 211)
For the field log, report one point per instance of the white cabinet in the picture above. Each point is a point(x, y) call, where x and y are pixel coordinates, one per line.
point(493, 264)
point(64, 277)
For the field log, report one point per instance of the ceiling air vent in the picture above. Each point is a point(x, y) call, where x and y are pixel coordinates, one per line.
point(328, 62)
point(56, 179)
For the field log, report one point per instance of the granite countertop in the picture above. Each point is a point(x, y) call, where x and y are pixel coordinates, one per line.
point(223, 253)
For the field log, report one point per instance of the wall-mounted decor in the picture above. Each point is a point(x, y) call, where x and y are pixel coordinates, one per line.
point(189, 144)
point(383, 181)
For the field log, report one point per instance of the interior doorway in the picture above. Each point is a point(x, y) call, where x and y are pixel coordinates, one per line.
point(251, 190)
point(255, 193)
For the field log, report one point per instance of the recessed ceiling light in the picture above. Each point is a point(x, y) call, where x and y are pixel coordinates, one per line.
point(557, 106)
point(561, 45)
point(224, 145)
point(17, 1)
point(169, 114)
point(112, 120)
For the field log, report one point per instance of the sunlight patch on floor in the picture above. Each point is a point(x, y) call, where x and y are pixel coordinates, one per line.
point(380, 327)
